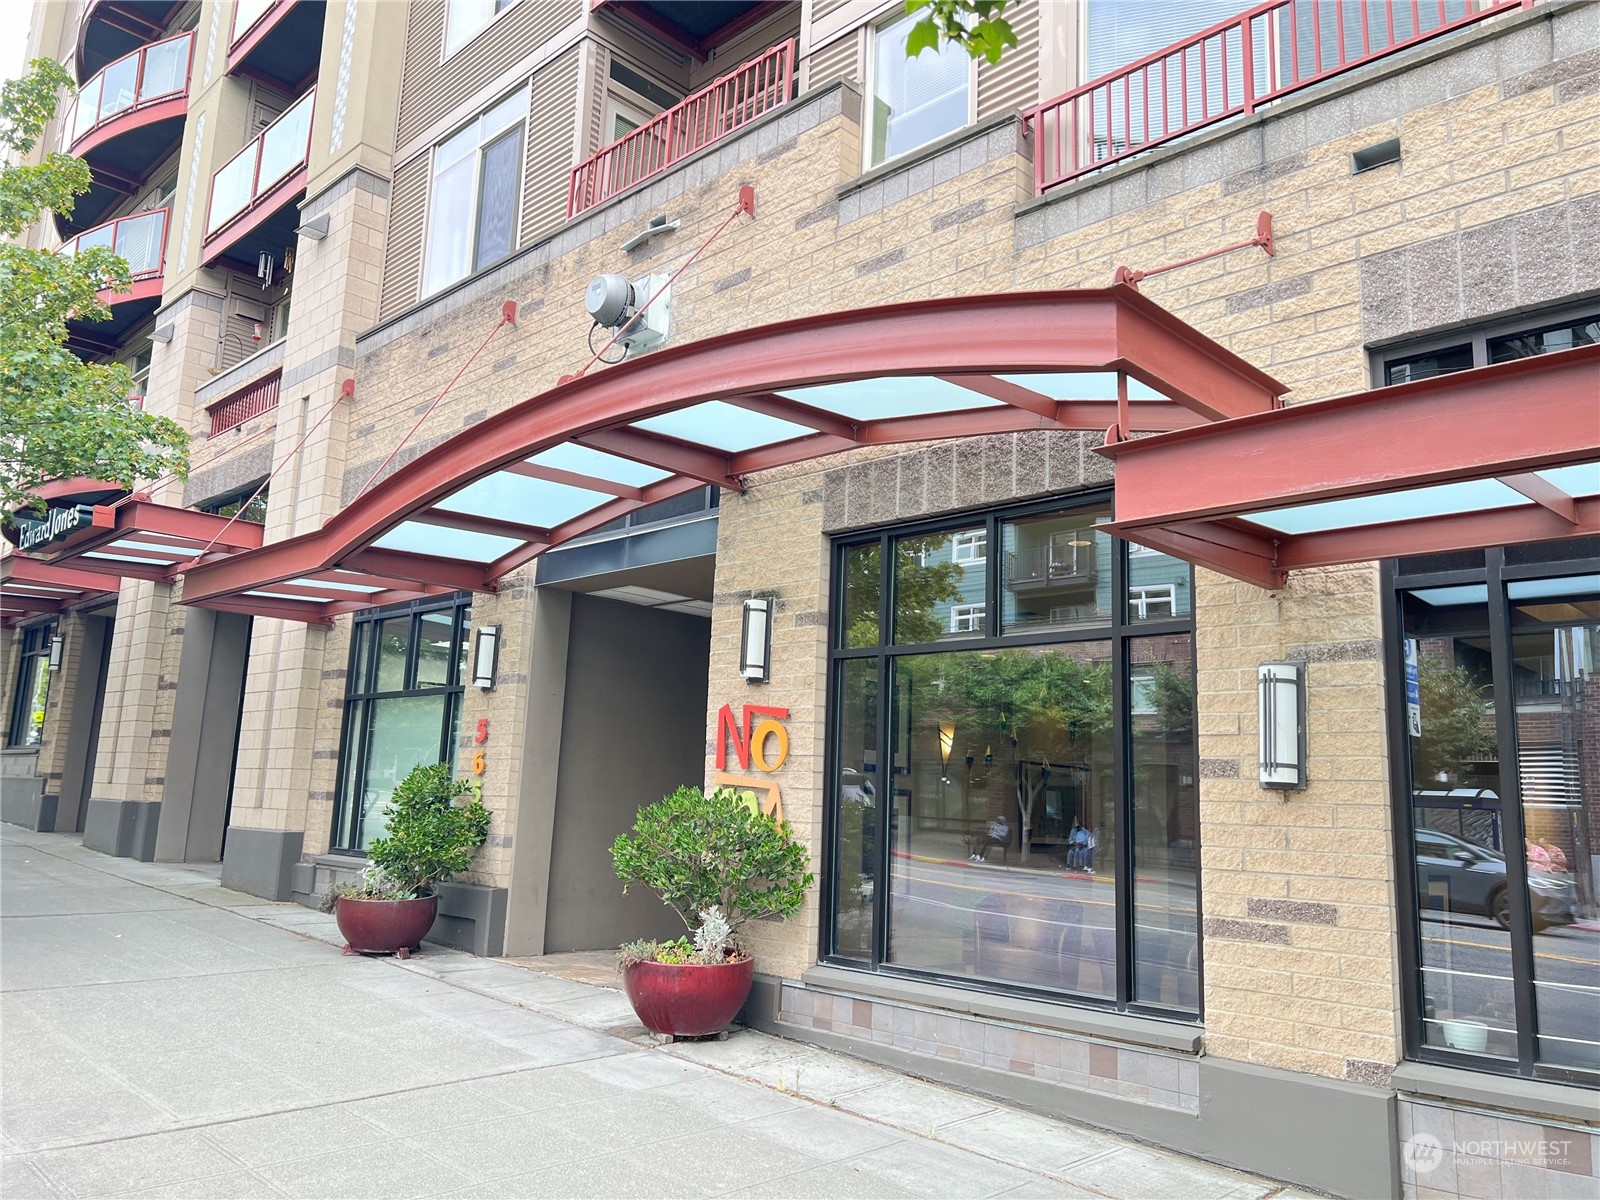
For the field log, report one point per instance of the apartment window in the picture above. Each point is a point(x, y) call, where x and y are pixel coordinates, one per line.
point(1494, 661)
point(402, 707)
point(33, 686)
point(915, 100)
point(1017, 811)
point(969, 547)
point(1151, 600)
point(1119, 33)
point(472, 212)
point(245, 504)
point(1498, 342)
point(966, 618)
point(464, 19)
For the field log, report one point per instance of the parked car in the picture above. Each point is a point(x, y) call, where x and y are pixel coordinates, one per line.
point(1474, 880)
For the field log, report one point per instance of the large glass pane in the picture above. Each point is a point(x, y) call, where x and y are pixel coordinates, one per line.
point(140, 240)
point(863, 588)
point(34, 696)
point(1002, 816)
point(1555, 644)
point(940, 585)
point(401, 732)
point(1463, 936)
point(449, 248)
point(230, 187)
point(1425, 366)
point(1056, 572)
point(394, 650)
point(1166, 822)
point(164, 67)
point(117, 84)
point(497, 199)
point(102, 235)
point(285, 143)
point(1160, 587)
point(856, 836)
point(433, 649)
point(915, 100)
point(87, 114)
point(1569, 334)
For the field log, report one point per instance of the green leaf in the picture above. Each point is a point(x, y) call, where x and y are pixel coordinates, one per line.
point(924, 35)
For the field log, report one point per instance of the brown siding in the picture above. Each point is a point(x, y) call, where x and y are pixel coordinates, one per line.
point(431, 89)
point(402, 264)
point(595, 106)
point(550, 136)
point(839, 59)
point(821, 8)
point(752, 43)
point(1013, 82)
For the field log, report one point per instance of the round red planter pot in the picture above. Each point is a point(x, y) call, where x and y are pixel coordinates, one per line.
point(385, 926)
point(690, 1000)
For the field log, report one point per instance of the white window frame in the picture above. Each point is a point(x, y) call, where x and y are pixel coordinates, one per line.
point(893, 15)
point(467, 36)
point(969, 547)
point(485, 138)
point(1141, 596)
point(967, 618)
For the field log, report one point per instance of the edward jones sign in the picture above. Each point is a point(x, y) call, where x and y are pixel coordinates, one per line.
point(57, 524)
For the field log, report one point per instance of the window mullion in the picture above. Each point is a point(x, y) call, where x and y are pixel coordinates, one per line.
point(1121, 754)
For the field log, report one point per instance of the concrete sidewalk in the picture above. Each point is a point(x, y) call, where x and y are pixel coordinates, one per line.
point(165, 1036)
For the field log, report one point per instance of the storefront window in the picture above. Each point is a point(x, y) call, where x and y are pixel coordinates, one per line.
point(1015, 808)
point(402, 707)
point(1502, 726)
point(32, 692)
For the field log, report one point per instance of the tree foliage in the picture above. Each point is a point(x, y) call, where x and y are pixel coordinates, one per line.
point(1457, 723)
point(699, 852)
point(919, 586)
point(977, 26)
point(59, 416)
point(430, 838)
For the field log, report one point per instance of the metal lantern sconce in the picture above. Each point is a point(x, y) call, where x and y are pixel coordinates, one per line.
point(485, 656)
point(57, 646)
point(1281, 701)
point(947, 742)
point(755, 642)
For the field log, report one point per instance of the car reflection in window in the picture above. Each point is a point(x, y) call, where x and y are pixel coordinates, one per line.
point(1457, 878)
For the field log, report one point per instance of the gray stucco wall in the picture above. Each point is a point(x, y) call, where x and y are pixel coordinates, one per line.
point(633, 729)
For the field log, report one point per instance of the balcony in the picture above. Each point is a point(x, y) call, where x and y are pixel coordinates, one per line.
point(1066, 564)
point(111, 28)
point(731, 102)
point(127, 119)
point(252, 209)
point(141, 239)
point(277, 41)
point(1228, 70)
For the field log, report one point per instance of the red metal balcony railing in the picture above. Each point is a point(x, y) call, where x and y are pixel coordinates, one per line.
point(1231, 68)
point(140, 238)
point(274, 155)
point(249, 402)
point(150, 75)
point(734, 100)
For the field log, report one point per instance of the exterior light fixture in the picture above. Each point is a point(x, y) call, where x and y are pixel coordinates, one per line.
point(1281, 697)
point(485, 654)
point(57, 645)
point(315, 230)
point(755, 641)
point(162, 334)
point(947, 741)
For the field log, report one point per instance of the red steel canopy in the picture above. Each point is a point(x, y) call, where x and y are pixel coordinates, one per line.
point(582, 454)
point(30, 588)
point(1493, 456)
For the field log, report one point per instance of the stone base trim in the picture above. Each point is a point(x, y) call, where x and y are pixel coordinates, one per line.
point(23, 801)
point(1449, 1151)
point(122, 828)
point(472, 917)
point(260, 861)
point(1325, 1134)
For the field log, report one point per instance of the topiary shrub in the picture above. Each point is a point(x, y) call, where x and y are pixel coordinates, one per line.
point(700, 852)
point(431, 837)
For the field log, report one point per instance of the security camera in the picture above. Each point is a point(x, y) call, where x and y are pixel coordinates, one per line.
point(609, 299)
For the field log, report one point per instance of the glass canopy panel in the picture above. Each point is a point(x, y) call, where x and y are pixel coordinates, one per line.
point(1083, 385)
point(333, 585)
point(581, 460)
point(536, 502)
point(1544, 589)
point(724, 426)
point(1451, 597)
point(417, 538)
point(888, 397)
point(1582, 480)
point(283, 596)
point(128, 558)
point(1447, 499)
point(151, 548)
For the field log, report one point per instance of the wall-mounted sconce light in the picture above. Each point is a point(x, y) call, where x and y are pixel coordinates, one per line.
point(316, 229)
point(1281, 697)
point(947, 742)
point(485, 654)
point(57, 645)
point(755, 641)
point(162, 334)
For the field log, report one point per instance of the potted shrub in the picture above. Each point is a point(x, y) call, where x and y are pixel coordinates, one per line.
point(432, 836)
point(718, 862)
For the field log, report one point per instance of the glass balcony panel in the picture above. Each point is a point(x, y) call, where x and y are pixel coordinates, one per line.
point(246, 13)
point(140, 240)
point(165, 65)
point(103, 236)
point(230, 187)
point(88, 108)
point(284, 144)
point(118, 86)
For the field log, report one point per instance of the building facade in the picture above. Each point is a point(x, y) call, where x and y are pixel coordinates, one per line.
point(432, 517)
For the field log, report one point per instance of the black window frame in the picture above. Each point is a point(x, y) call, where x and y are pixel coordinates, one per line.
point(1477, 337)
point(1494, 570)
point(1120, 631)
point(240, 500)
point(361, 689)
point(36, 640)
